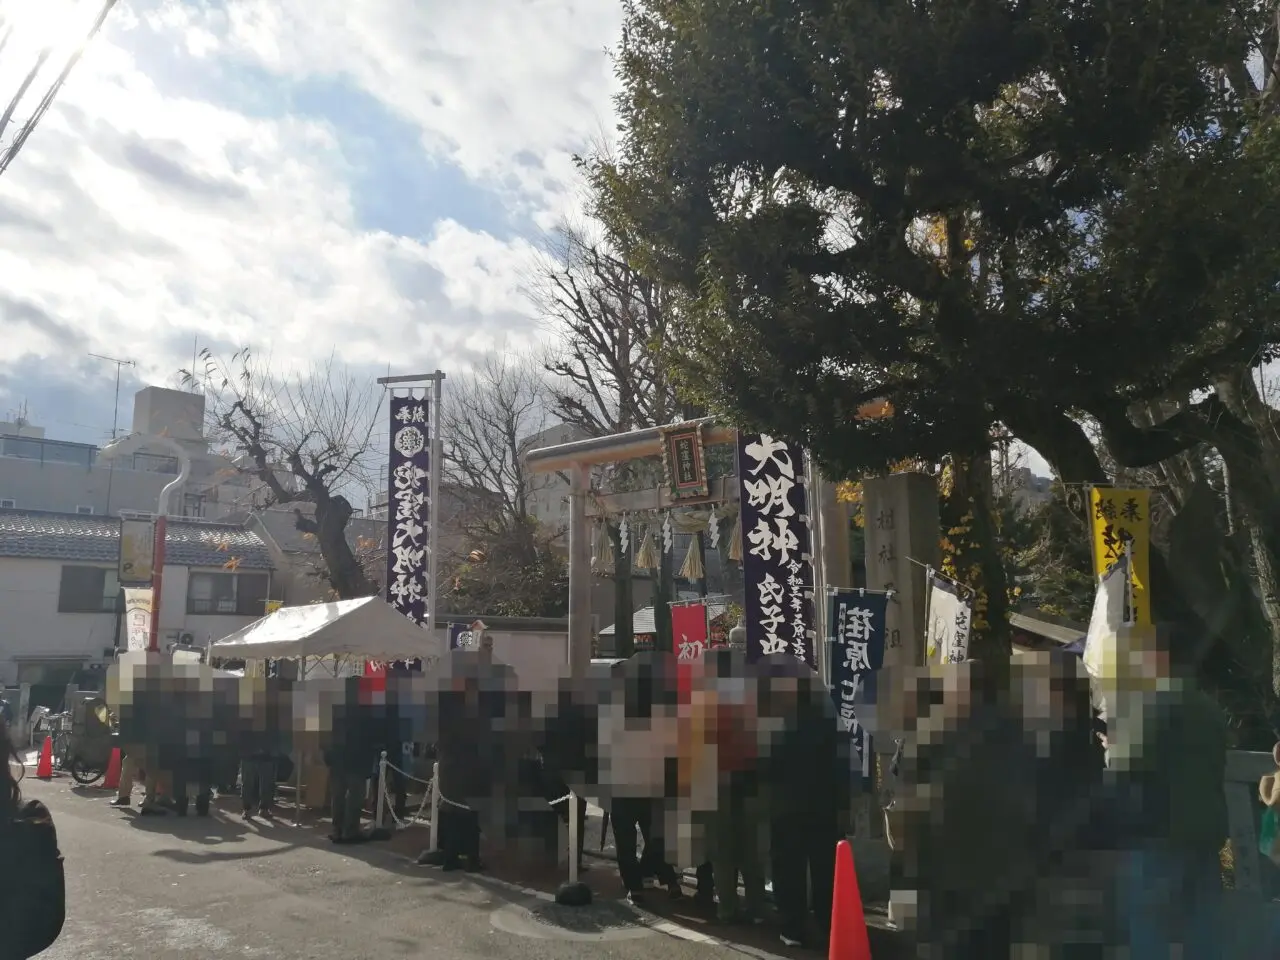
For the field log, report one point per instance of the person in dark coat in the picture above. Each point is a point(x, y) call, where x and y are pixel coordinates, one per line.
point(349, 758)
point(1065, 907)
point(1168, 743)
point(463, 748)
point(191, 744)
point(261, 743)
point(807, 772)
point(968, 796)
point(33, 895)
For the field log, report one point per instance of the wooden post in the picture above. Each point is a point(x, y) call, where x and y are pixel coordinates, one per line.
point(579, 573)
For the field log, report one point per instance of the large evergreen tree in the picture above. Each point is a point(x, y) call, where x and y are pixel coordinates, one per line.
point(985, 211)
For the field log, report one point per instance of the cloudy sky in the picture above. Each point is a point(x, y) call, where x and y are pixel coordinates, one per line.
point(297, 176)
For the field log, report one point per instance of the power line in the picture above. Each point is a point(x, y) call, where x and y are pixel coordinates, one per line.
point(7, 156)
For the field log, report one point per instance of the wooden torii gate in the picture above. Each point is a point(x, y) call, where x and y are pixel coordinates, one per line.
point(576, 459)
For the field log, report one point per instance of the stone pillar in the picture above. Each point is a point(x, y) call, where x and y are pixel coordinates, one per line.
point(902, 525)
point(903, 530)
point(836, 562)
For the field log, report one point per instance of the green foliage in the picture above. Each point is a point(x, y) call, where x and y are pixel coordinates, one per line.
point(1049, 558)
point(980, 211)
point(516, 574)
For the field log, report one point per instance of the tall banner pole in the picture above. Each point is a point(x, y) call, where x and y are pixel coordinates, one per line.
point(433, 533)
point(818, 552)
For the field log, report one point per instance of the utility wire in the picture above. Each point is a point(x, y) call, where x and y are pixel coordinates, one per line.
point(14, 148)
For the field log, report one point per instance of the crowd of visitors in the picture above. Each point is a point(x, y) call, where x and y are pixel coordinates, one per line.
point(1016, 824)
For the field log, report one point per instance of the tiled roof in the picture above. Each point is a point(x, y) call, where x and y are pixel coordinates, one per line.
point(41, 535)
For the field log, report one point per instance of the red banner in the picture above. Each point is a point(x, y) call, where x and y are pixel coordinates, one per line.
point(689, 631)
point(375, 676)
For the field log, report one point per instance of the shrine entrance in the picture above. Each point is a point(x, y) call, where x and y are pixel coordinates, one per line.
point(776, 536)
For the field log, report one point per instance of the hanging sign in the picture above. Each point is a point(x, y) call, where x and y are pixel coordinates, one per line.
point(461, 637)
point(689, 630)
point(1120, 522)
point(409, 508)
point(137, 551)
point(684, 462)
point(776, 565)
point(137, 617)
point(859, 625)
point(949, 620)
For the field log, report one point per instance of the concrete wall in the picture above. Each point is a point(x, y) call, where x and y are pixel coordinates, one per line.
point(62, 487)
point(32, 628)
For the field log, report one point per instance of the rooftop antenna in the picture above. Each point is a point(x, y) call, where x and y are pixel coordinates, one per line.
point(120, 364)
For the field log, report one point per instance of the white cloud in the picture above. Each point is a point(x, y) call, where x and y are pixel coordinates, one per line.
point(136, 217)
point(508, 90)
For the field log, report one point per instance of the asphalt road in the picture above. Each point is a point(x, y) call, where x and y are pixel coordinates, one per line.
point(212, 888)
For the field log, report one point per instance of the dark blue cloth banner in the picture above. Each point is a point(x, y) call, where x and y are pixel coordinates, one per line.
point(776, 569)
point(409, 508)
point(858, 624)
point(461, 637)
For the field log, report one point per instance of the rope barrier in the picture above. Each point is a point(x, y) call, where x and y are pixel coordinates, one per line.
point(389, 805)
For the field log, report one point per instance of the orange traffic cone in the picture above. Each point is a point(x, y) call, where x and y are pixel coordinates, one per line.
point(112, 779)
point(44, 766)
point(849, 939)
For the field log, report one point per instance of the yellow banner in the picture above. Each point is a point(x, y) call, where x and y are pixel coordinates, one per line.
point(1120, 519)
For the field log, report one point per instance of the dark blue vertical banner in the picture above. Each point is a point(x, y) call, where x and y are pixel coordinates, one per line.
point(409, 508)
point(858, 624)
point(776, 566)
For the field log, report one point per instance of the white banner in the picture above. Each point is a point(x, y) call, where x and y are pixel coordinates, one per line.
point(949, 621)
point(1109, 607)
point(137, 617)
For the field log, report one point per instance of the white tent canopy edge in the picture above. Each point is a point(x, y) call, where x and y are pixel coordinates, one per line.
point(366, 627)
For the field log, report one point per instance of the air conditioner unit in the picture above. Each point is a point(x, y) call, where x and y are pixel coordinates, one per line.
point(186, 638)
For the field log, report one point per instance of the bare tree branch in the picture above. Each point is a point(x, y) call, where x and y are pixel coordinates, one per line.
point(306, 439)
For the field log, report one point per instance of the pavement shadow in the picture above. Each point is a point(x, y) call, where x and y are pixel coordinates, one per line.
point(210, 831)
point(92, 792)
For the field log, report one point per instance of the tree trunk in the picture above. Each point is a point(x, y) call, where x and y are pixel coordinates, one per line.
point(346, 575)
point(979, 564)
point(1255, 472)
point(624, 638)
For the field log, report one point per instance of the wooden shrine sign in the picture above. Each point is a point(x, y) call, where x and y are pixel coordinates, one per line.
point(684, 461)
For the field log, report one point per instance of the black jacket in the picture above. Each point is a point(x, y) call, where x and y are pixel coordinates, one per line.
point(32, 884)
point(807, 770)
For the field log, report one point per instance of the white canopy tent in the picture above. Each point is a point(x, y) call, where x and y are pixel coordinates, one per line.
point(368, 627)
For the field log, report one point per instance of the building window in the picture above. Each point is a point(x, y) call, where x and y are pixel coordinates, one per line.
point(7, 504)
point(84, 511)
point(229, 594)
point(88, 590)
point(193, 505)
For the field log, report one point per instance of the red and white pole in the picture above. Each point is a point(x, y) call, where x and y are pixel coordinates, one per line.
point(157, 582)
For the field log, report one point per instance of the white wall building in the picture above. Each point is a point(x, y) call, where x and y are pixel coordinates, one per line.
point(548, 493)
point(40, 473)
point(60, 602)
